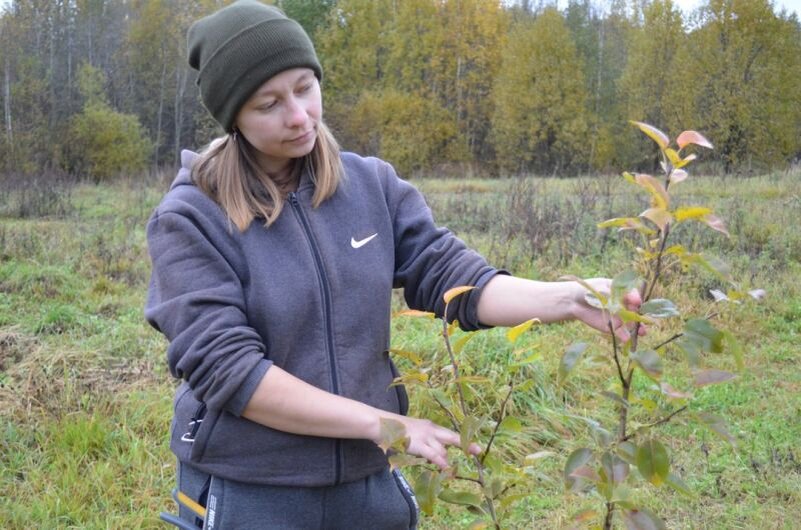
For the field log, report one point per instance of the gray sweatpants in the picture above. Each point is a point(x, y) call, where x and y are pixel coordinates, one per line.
point(383, 501)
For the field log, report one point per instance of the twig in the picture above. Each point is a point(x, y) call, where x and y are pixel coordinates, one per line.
point(498, 423)
point(657, 423)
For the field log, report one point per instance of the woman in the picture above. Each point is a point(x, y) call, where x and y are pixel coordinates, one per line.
point(274, 256)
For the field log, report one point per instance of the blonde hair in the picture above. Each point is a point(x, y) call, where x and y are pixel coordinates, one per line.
point(227, 172)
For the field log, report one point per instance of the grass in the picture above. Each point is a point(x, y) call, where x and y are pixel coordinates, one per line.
point(85, 397)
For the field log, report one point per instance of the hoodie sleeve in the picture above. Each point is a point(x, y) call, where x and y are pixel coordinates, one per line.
point(429, 260)
point(195, 299)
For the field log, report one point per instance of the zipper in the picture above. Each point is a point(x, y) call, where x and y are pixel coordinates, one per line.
point(327, 310)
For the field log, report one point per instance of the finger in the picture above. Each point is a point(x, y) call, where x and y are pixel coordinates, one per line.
point(475, 449)
point(632, 300)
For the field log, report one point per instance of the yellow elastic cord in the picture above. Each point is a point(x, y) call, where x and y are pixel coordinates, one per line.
point(192, 505)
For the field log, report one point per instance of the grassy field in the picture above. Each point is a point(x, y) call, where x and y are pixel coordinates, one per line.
point(85, 396)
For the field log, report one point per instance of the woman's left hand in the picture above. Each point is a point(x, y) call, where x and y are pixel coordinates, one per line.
point(600, 319)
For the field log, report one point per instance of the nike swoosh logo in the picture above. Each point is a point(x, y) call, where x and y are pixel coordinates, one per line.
point(361, 242)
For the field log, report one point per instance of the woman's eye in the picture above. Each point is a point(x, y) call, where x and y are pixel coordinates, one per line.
point(305, 88)
point(267, 106)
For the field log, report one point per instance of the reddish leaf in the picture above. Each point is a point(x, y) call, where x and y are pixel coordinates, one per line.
point(659, 216)
point(692, 137)
point(672, 393)
point(715, 223)
point(577, 459)
point(711, 377)
point(716, 424)
point(642, 519)
point(678, 175)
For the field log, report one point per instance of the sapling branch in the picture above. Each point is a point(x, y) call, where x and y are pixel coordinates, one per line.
point(656, 423)
point(498, 423)
point(445, 409)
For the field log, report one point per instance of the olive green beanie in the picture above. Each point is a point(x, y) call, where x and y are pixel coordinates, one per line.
point(236, 49)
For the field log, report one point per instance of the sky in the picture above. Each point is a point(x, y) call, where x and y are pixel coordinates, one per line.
point(790, 5)
point(686, 5)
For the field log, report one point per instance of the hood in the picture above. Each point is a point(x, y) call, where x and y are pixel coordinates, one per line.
point(184, 176)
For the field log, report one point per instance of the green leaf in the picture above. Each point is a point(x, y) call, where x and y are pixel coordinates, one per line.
point(702, 336)
point(460, 343)
point(513, 334)
point(463, 498)
point(717, 425)
point(733, 345)
point(398, 460)
point(623, 283)
point(413, 357)
point(653, 462)
point(510, 424)
point(675, 482)
point(628, 452)
point(649, 361)
point(578, 458)
point(410, 378)
point(569, 360)
point(426, 489)
point(472, 379)
point(712, 377)
point(653, 133)
point(468, 431)
point(659, 308)
point(642, 519)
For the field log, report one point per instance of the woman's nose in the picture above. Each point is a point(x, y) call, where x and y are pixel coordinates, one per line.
point(295, 113)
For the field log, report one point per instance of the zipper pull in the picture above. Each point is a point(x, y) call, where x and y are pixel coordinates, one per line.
point(293, 198)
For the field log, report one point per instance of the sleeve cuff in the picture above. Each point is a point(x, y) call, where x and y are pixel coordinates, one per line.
point(236, 405)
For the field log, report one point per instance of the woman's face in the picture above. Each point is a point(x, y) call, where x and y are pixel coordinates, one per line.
point(280, 119)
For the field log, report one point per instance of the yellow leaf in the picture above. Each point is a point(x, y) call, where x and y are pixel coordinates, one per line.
point(653, 133)
point(692, 137)
point(415, 313)
point(691, 212)
point(684, 161)
point(659, 196)
point(673, 156)
point(518, 330)
point(456, 291)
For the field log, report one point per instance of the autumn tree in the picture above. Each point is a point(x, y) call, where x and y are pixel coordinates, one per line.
point(539, 122)
point(650, 88)
point(748, 63)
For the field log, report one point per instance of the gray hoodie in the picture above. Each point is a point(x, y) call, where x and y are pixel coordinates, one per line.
point(310, 294)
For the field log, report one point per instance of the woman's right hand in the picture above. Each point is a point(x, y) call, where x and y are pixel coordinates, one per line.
point(429, 440)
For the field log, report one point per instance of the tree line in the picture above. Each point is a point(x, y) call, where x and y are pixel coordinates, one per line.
point(439, 87)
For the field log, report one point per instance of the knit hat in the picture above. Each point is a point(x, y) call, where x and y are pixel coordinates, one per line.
point(238, 48)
